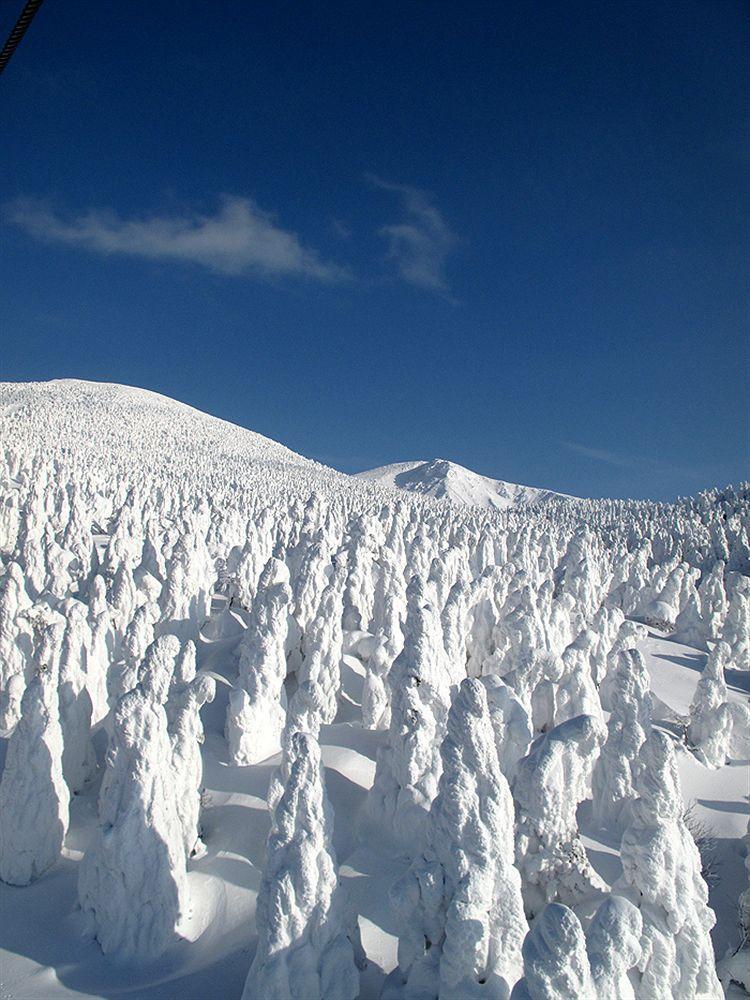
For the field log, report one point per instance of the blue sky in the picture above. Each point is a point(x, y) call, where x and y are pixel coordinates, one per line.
point(511, 235)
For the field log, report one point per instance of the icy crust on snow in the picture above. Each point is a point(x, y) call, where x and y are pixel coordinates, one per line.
point(255, 712)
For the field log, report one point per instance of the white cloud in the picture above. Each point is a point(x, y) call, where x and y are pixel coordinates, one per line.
point(240, 238)
point(420, 243)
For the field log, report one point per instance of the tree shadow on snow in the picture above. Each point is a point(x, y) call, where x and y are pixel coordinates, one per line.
point(725, 805)
point(347, 799)
point(237, 828)
point(353, 737)
point(737, 680)
point(692, 662)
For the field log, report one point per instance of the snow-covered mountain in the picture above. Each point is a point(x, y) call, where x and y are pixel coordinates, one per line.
point(446, 480)
point(141, 427)
point(146, 429)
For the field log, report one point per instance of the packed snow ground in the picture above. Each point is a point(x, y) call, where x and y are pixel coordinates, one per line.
point(271, 731)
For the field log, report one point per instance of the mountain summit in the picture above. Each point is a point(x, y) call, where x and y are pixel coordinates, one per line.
point(446, 480)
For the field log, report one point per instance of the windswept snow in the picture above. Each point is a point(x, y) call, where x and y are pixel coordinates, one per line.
point(444, 480)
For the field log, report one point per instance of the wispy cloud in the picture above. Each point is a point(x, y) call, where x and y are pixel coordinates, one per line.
point(633, 463)
point(602, 455)
point(420, 243)
point(239, 238)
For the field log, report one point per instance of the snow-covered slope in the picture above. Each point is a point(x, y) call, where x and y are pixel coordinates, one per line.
point(446, 480)
point(122, 420)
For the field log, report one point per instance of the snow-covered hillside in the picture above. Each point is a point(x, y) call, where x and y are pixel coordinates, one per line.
point(269, 731)
point(140, 428)
point(448, 481)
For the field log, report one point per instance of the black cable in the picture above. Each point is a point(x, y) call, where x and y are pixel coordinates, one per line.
point(19, 30)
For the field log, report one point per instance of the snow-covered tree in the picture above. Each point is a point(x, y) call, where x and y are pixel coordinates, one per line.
point(613, 943)
point(629, 635)
point(550, 783)
point(257, 705)
point(388, 641)
point(662, 876)
point(14, 659)
point(307, 942)
point(408, 766)
point(79, 759)
point(555, 961)
point(615, 774)
point(321, 666)
point(736, 630)
point(459, 906)
point(709, 731)
point(735, 967)
point(510, 723)
point(132, 883)
point(187, 695)
point(101, 648)
point(690, 628)
point(713, 600)
point(33, 795)
point(576, 693)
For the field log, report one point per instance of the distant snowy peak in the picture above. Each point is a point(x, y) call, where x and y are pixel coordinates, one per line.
point(444, 480)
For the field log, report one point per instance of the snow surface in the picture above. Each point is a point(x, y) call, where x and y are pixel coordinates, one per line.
point(444, 480)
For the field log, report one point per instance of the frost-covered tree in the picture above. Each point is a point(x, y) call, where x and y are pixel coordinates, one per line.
point(555, 962)
point(307, 942)
point(735, 968)
point(459, 906)
point(662, 876)
point(615, 774)
point(550, 783)
point(629, 635)
point(713, 600)
point(257, 705)
point(455, 621)
point(123, 597)
point(33, 795)
point(187, 695)
point(101, 648)
point(388, 640)
point(690, 628)
point(736, 629)
point(15, 662)
point(577, 693)
point(79, 759)
point(510, 724)
point(709, 731)
point(408, 766)
point(605, 625)
point(613, 943)
point(324, 650)
point(132, 883)
point(359, 591)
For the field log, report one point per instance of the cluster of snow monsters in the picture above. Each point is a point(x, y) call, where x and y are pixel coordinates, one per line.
point(494, 646)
